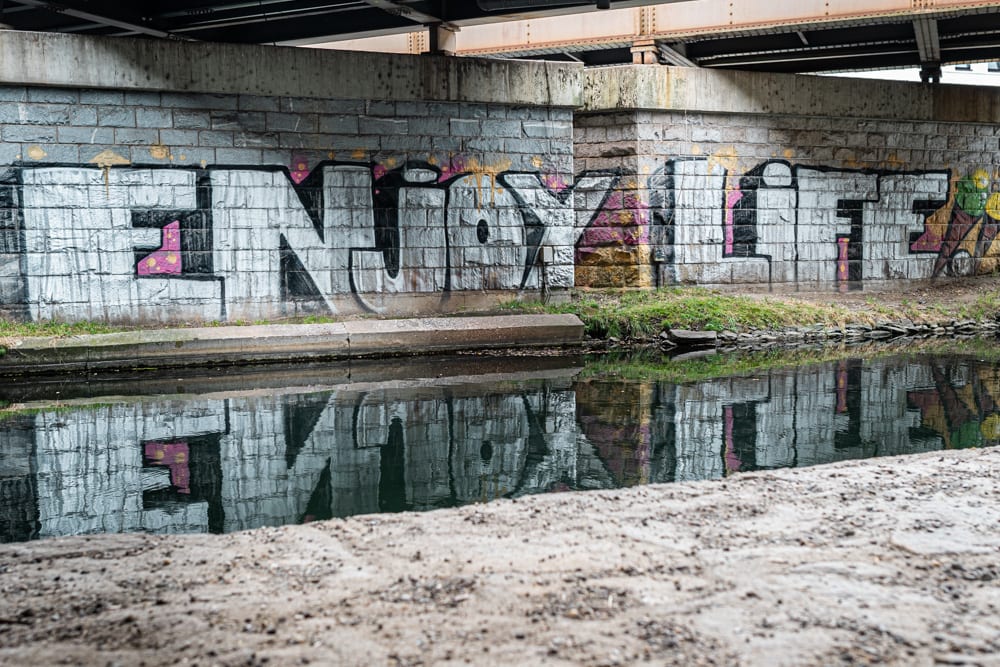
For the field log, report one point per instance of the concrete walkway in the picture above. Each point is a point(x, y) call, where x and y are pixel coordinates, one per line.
point(167, 348)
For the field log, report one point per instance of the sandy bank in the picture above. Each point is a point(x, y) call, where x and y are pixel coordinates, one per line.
point(888, 561)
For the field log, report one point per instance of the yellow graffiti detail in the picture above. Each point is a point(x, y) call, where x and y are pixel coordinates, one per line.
point(981, 178)
point(486, 177)
point(159, 151)
point(107, 159)
point(894, 162)
point(993, 206)
point(36, 153)
point(991, 427)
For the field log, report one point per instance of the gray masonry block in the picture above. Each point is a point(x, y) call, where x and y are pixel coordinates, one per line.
point(86, 135)
point(382, 126)
point(502, 128)
point(380, 108)
point(257, 103)
point(361, 143)
point(142, 98)
point(430, 126)
point(102, 97)
point(183, 156)
point(473, 111)
point(190, 119)
point(153, 117)
point(465, 128)
point(13, 94)
point(9, 154)
point(54, 95)
point(115, 116)
point(179, 137)
point(198, 101)
point(411, 109)
point(338, 124)
point(215, 138)
point(529, 146)
point(45, 114)
point(29, 134)
point(247, 156)
point(408, 143)
point(246, 121)
point(10, 113)
point(83, 115)
point(255, 139)
point(489, 144)
point(442, 109)
point(549, 130)
point(444, 144)
point(304, 140)
point(61, 153)
point(133, 136)
point(292, 122)
point(348, 107)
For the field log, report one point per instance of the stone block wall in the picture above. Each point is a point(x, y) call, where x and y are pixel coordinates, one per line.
point(418, 193)
point(140, 186)
point(767, 189)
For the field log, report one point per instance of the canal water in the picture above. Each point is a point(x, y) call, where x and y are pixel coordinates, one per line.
point(278, 446)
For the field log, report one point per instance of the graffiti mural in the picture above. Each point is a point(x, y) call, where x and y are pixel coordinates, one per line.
point(780, 222)
point(962, 234)
point(701, 220)
point(120, 242)
point(114, 241)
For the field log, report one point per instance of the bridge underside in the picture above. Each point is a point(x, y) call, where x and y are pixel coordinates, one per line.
point(268, 21)
point(862, 43)
point(778, 36)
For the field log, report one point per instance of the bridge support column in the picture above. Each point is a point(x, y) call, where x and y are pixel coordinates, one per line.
point(645, 52)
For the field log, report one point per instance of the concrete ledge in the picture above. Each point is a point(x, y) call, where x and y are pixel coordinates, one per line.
point(56, 59)
point(441, 334)
point(655, 88)
point(169, 348)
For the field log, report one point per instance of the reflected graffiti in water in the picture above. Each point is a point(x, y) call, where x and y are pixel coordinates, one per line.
point(210, 464)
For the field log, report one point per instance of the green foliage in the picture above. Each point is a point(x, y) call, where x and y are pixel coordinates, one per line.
point(646, 313)
point(52, 328)
point(317, 319)
point(985, 307)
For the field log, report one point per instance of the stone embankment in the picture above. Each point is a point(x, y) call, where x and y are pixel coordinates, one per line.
point(818, 334)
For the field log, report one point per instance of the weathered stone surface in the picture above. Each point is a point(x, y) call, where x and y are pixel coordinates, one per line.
point(287, 342)
point(685, 337)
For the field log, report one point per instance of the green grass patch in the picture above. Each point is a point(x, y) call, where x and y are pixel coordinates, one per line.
point(640, 314)
point(985, 307)
point(11, 331)
point(59, 329)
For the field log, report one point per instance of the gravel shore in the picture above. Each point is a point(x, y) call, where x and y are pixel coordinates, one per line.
point(886, 561)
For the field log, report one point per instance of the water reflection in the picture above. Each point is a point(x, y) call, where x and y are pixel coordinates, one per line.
point(226, 462)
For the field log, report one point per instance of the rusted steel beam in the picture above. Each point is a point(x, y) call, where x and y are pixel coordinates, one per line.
point(699, 18)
